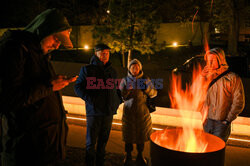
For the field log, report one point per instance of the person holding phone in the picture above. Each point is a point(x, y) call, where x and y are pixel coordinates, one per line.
point(34, 128)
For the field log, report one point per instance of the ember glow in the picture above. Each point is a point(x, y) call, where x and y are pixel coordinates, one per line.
point(190, 137)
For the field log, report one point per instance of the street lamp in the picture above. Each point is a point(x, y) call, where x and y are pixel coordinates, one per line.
point(86, 47)
point(175, 44)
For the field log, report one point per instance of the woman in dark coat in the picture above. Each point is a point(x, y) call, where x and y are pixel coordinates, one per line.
point(136, 120)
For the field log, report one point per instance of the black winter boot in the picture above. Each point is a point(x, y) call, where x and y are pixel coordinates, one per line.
point(140, 160)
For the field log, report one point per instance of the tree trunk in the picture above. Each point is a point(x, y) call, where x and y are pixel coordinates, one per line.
point(149, 57)
point(131, 20)
point(123, 59)
point(233, 34)
point(129, 57)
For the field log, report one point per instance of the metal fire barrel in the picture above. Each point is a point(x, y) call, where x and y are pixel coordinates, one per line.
point(162, 156)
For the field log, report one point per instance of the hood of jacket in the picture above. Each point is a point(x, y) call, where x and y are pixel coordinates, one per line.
point(136, 77)
point(48, 22)
point(220, 54)
point(135, 61)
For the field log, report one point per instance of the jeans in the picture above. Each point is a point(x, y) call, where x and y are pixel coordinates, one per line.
point(98, 129)
point(217, 128)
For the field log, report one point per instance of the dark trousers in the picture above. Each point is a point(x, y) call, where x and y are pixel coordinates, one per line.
point(98, 129)
point(129, 147)
point(217, 128)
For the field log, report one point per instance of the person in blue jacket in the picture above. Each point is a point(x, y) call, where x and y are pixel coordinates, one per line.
point(97, 85)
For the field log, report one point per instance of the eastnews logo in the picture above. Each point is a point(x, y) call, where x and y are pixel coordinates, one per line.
point(95, 83)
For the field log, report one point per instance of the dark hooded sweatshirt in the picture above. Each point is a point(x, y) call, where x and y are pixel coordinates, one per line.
point(33, 116)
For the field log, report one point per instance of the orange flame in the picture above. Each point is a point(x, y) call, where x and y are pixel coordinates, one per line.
point(167, 138)
point(206, 45)
point(189, 103)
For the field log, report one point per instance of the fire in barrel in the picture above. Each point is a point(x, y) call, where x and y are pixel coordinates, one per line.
point(187, 144)
point(167, 150)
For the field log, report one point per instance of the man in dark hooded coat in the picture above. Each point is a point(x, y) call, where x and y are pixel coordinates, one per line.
point(34, 129)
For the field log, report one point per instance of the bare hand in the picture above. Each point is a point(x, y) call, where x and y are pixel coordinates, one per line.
point(72, 79)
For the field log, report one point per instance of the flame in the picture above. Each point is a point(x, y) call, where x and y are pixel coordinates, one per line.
point(189, 101)
point(167, 138)
point(206, 45)
point(190, 138)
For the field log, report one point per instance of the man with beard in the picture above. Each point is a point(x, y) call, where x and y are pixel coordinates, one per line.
point(34, 129)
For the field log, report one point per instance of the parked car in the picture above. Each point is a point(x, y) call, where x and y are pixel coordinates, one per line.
point(238, 65)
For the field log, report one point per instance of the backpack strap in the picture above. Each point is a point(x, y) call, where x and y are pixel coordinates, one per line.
point(217, 78)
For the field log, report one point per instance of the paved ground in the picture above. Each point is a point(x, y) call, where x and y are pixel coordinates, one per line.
point(235, 155)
